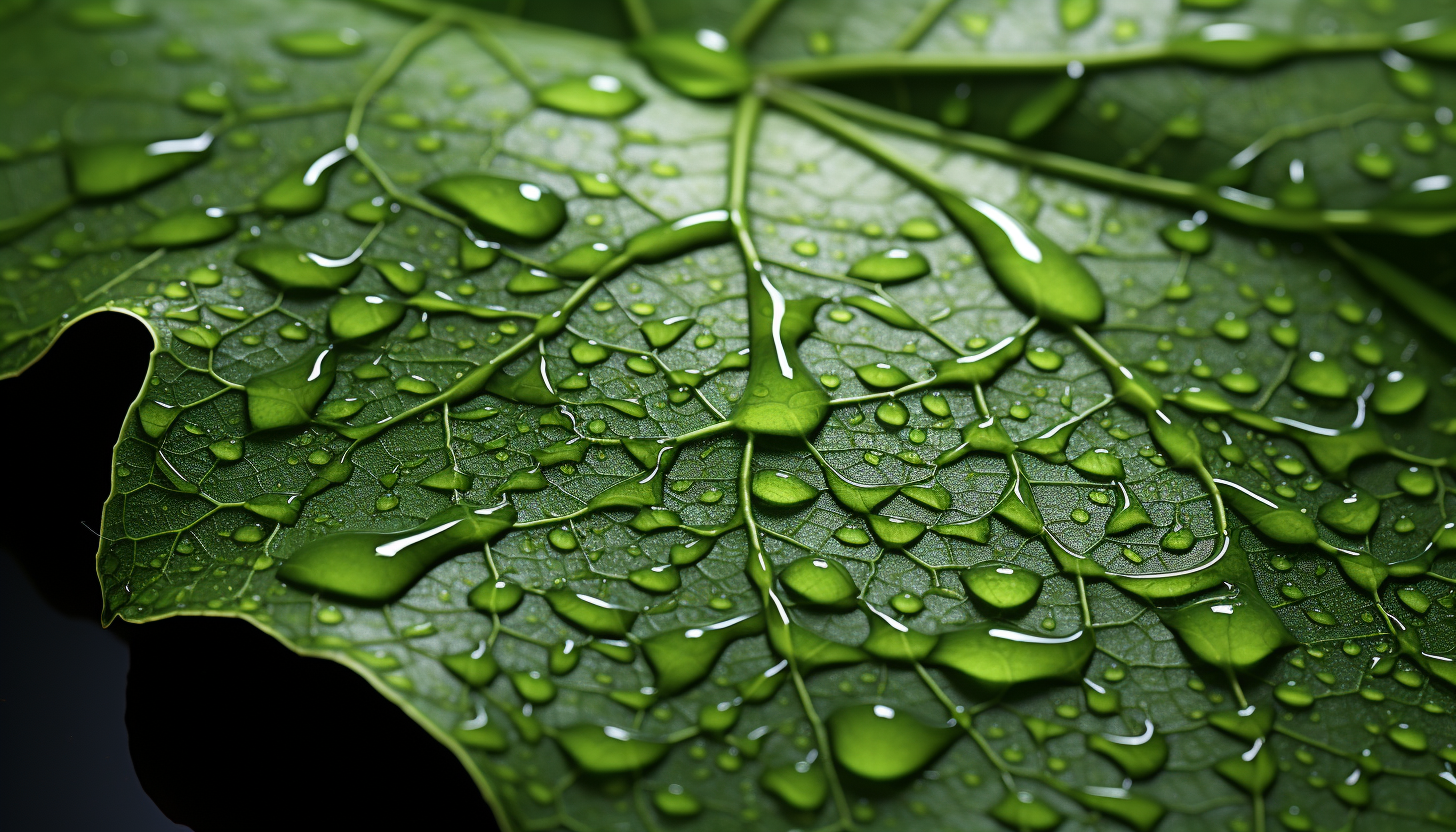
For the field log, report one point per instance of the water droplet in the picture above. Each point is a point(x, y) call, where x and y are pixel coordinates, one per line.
point(502, 207)
point(676, 802)
point(288, 395)
point(608, 750)
point(1353, 514)
point(376, 567)
point(1232, 632)
point(188, 227)
point(1033, 271)
point(801, 786)
point(1140, 757)
point(1077, 13)
point(99, 15)
point(882, 376)
point(475, 667)
point(879, 743)
point(593, 615)
point(1002, 586)
point(660, 579)
point(819, 581)
point(496, 596)
point(1099, 463)
point(1190, 235)
point(895, 265)
point(895, 532)
point(698, 64)
point(782, 489)
point(1398, 393)
point(291, 267)
point(1037, 112)
point(320, 43)
point(106, 170)
point(892, 413)
point(681, 658)
point(360, 316)
point(664, 333)
point(597, 96)
point(1025, 811)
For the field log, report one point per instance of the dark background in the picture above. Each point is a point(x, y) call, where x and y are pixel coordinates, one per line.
point(204, 722)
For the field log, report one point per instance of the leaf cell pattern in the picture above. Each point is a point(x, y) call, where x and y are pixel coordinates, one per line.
point(721, 429)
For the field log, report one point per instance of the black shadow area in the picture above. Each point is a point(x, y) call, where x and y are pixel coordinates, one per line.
point(64, 763)
point(214, 722)
point(230, 730)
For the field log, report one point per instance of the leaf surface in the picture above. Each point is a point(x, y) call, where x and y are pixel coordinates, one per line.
point(806, 454)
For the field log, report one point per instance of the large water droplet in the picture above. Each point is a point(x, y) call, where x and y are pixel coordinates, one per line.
point(359, 316)
point(781, 489)
point(894, 265)
point(190, 227)
point(502, 207)
point(598, 96)
point(291, 267)
point(698, 64)
point(879, 743)
point(376, 567)
point(1002, 585)
point(320, 43)
point(106, 170)
point(1229, 632)
point(288, 395)
point(819, 581)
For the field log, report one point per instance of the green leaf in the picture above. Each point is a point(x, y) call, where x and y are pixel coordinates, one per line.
point(642, 407)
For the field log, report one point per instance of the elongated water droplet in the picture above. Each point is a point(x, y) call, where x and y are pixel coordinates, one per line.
point(882, 376)
point(288, 395)
point(664, 333)
point(1268, 514)
point(997, 655)
point(496, 596)
point(1025, 812)
point(1129, 513)
point(320, 43)
point(1002, 586)
point(1040, 110)
point(676, 238)
point(895, 265)
point(1232, 46)
point(1140, 756)
point(802, 786)
point(597, 96)
point(359, 316)
point(1232, 632)
point(895, 532)
point(682, 658)
point(781, 489)
point(106, 170)
point(593, 615)
point(1033, 271)
point(190, 227)
point(291, 267)
point(583, 261)
point(475, 667)
point(502, 207)
point(375, 567)
point(879, 743)
point(609, 750)
point(819, 581)
point(699, 64)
